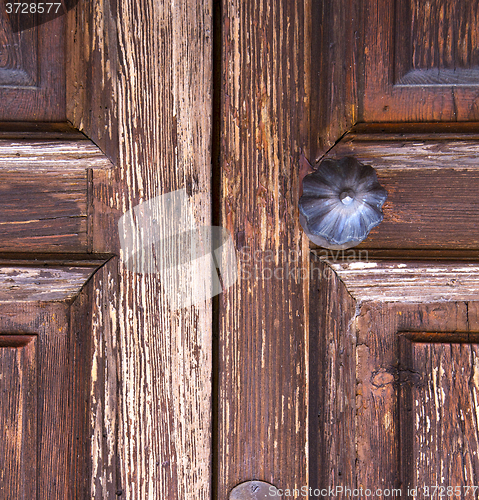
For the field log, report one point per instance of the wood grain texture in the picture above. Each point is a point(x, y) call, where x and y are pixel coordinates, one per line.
point(32, 72)
point(45, 191)
point(380, 453)
point(26, 284)
point(431, 181)
point(263, 347)
point(387, 35)
point(439, 412)
point(409, 281)
point(19, 55)
point(444, 34)
point(18, 416)
point(334, 65)
point(104, 385)
point(91, 72)
point(164, 94)
point(414, 418)
point(332, 396)
point(57, 416)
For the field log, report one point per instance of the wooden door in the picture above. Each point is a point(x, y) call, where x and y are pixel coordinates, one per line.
point(347, 374)
point(232, 99)
point(106, 390)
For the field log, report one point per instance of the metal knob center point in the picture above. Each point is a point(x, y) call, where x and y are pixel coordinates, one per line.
point(347, 197)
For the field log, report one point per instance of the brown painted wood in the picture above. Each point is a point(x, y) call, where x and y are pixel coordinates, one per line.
point(332, 372)
point(32, 71)
point(91, 72)
point(45, 190)
point(164, 108)
point(18, 416)
point(335, 28)
point(53, 375)
point(262, 357)
point(413, 422)
point(419, 60)
point(439, 407)
point(431, 181)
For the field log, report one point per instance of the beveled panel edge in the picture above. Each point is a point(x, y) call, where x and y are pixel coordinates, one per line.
point(409, 281)
point(47, 280)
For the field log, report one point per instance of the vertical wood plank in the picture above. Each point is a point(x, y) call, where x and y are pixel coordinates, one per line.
point(164, 119)
point(332, 410)
point(262, 358)
point(334, 59)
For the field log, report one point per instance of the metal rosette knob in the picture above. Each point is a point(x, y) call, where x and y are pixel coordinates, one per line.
point(341, 203)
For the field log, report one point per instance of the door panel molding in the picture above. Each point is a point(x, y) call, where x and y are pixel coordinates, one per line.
point(32, 71)
point(18, 415)
point(391, 315)
point(409, 78)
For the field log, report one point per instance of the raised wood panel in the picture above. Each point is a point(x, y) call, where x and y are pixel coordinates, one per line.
point(413, 418)
point(18, 55)
point(61, 372)
point(32, 71)
point(420, 61)
point(18, 416)
point(54, 393)
point(437, 42)
point(440, 380)
point(431, 179)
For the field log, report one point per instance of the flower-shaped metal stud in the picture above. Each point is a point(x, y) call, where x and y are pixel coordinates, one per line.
point(341, 203)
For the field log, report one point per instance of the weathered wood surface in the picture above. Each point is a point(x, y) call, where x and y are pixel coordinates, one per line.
point(439, 406)
point(437, 42)
point(32, 71)
point(382, 375)
point(18, 416)
point(262, 366)
point(91, 55)
point(409, 281)
point(103, 414)
point(49, 382)
point(413, 422)
point(418, 64)
point(45, 190)
point(335, 28)
point(332, 372)
point(164, 108)
point(431, 183)
point(27, 284)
